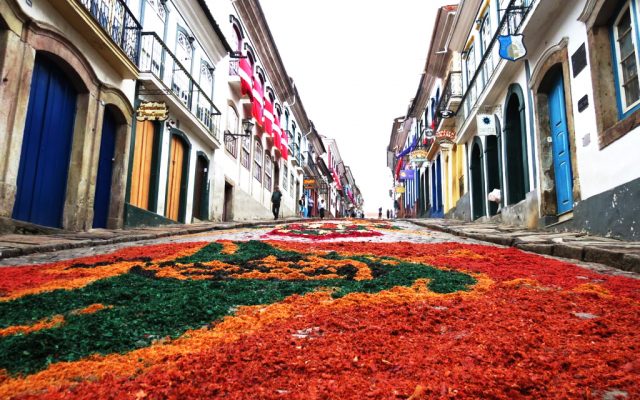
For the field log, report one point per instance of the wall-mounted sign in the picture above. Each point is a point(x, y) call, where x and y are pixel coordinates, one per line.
point(486, 125)
point(445, 137)
point(309, 183)
point(152, 111)
point(418, 156)
point(399, 189)
point(512, 47)
point(407, 174)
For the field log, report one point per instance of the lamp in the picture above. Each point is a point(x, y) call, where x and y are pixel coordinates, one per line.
point(247, 127)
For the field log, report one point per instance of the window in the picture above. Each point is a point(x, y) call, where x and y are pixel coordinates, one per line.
point(257, 162)
point(181, 81)
point(626, 62)
point(232, 126)
point(245, 155)
point(485, 40)
point(470, 63)
point(291, 182)
point(285, 177)
point(204, 111)
point(268, 168)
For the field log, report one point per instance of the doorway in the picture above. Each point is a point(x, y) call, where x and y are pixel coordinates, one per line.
point(560, 143)
point(46, 146)
point(493, 171)
point(201, 188)
point(515, 159)
point(102, 197)
point(177, 184)
point(227, 208)
point(477, 181)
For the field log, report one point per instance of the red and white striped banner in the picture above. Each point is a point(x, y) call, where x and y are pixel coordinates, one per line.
point(258, 101)
point(245, 73)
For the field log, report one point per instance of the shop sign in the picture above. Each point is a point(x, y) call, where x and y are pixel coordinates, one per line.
point(399, 189)
point(309, 183)
point(445, 137)
point(407, 174)
point(152, 111)
point(512, 47)
point(418, 156)
point(486, 125)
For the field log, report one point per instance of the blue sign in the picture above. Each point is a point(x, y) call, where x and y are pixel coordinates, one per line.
point(407, 174)
point(512, 47)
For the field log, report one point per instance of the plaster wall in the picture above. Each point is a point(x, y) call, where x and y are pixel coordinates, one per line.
point(599, 169)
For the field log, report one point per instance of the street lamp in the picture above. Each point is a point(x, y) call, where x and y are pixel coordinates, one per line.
point(247, 127)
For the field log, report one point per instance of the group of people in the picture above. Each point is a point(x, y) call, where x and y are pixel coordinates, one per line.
point(276, 198)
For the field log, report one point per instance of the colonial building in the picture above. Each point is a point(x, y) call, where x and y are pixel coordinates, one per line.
point(546, 118)
point(182, 48)
point(66, 110)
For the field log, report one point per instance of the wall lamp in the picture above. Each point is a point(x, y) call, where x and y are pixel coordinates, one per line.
point(247, 127)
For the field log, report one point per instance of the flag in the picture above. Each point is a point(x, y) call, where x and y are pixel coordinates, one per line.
point(257, 104)
point(268, 116)
point(245, 73)
point(277, 133)
point(284, 144)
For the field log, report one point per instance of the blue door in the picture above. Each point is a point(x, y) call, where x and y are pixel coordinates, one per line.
point(105, 171)
point(561, 153)
point(46, 146)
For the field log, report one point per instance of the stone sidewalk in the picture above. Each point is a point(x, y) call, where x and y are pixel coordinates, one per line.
point(615, 253)
point(16, 245)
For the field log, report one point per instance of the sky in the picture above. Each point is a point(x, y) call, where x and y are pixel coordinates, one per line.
point(356, 65)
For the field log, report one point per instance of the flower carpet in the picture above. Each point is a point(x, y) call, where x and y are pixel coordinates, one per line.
point(317, 318)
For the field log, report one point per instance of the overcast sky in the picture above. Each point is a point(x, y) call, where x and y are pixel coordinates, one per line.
point(357, 65)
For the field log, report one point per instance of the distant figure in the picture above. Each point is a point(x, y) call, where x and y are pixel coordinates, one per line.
point(388, 213)
point(276, 196)
point(380, 213)
point(310, 204)
point(321, 208)
point(301, 206)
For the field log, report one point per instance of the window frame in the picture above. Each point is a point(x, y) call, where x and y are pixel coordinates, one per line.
point(268, 170)
point(245, 152)
point(623, 108)
point(231, 146)
point(258, 161)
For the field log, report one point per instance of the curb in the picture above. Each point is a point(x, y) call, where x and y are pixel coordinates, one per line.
point(13, 252)
point(613, 257)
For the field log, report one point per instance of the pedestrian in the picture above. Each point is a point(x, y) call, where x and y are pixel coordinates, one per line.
point(301, 204)
point(380, 213)
point(276, 196)
point(388, 213)
point(310, 204)
point(321, 207)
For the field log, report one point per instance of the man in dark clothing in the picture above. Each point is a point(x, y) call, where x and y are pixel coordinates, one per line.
point(276, 196)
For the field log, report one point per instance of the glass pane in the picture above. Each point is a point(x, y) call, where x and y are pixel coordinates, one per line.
point(626, 45)
point(629, 69)
point(632, 91)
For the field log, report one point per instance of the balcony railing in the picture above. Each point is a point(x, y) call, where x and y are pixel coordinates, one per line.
point(511, 22)
point(157, 59)
point(451, 95)
point(118, 21)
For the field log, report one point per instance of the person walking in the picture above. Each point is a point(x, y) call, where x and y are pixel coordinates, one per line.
point(310, 204)
point(301, 206)
point(380, 213)
point(276, 196)
point(321, 208)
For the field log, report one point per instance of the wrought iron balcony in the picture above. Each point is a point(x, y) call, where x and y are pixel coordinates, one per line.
point(110, 27)
point(118, 21)
point(511, 21)
point(157, 59)
point(234, 76)
point(450, 100)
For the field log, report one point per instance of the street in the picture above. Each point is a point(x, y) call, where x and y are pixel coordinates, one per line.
point(338, 309)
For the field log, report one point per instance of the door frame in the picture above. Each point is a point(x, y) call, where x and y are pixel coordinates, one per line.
point(184, 182)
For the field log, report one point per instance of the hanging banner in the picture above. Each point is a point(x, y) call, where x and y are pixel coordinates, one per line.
point(418, 156)
point(512, 47)
point(486, 124)
point(152, 111)
point(407, 174)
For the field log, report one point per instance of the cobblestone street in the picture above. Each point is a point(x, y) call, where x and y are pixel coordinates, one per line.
point(316, 309)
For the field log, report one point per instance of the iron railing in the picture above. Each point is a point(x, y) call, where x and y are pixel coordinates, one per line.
point(452, 89)
point(118, 22)
point(157, 59)
point(234, 67)
point(511, 22)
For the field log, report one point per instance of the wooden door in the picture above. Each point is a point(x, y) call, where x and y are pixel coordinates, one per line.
point(561, 152)
point(142, 164)
point(46, 146)
point(176, 168)
point(102, 197)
